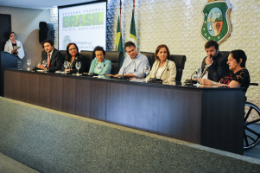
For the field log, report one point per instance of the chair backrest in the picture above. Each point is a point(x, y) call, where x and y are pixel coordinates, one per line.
point(89, 58)
point(63, 53)
point(115, 58)
point(180, 63)
point(225, 53)
point(150, 57)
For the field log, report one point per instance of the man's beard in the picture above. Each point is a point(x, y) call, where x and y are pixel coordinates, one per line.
point(214, 56)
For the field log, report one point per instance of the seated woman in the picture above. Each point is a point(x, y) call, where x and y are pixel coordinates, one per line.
point(163, 68)
point(238, 75)
point(72, 57)
point(100, 65)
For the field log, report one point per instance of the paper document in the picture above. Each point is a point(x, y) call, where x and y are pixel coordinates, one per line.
point(16, 47)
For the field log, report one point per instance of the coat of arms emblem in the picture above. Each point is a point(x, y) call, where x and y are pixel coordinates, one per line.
point(216, 25)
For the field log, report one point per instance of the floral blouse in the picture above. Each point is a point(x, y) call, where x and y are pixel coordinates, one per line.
point(241, 76)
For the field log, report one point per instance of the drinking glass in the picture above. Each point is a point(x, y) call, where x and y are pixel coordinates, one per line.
point(147, 70)
point(66, 65)
point(198, 76)
point(195, 74)
point(78, 65)
point(28, 63)
point(44, 63)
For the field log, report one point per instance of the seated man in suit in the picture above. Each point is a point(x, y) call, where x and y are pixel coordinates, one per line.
point(214, 66)
point(53, 57)
point(133, 65)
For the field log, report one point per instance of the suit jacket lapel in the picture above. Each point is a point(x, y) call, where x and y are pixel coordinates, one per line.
point(164, 67)
point(53, 56)
point(156, 68)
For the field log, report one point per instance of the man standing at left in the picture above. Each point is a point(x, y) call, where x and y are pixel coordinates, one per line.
point(52, 56)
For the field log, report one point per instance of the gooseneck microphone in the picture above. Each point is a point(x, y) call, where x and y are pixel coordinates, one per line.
point(92, 74)
point(35, 66)
point(190, 81)
point(122, 76)
point(195, 72)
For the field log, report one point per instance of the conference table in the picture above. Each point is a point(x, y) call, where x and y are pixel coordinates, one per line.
point(209, 116)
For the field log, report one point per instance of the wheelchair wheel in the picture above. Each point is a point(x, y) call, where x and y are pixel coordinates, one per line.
point(251, 126)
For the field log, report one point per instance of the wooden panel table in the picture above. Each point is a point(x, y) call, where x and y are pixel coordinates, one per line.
point(208, 116)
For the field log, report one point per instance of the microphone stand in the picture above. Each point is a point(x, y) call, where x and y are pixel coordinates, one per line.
point(193, 74)
point(35, 67)
point(190, 81)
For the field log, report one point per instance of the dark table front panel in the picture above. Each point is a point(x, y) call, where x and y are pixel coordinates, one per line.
point(222, 120)
point(175, 113)
point(209, 116)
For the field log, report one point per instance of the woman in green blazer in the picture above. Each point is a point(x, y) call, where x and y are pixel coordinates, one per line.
point(100, 65)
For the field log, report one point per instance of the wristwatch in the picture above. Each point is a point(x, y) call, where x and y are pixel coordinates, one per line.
point(214, 84)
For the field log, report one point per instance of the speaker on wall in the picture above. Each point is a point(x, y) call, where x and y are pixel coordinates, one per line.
point(46, 31)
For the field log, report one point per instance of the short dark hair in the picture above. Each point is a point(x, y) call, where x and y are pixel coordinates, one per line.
point(12, 33)
point(8, 37)
point(237, 54)
point(158, 49)
point(211, 43)
point(47, 41)
point(98, 48)
point(129, 44)
point(68, 56)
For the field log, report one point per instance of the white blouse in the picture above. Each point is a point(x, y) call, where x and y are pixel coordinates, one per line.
point(159, 73)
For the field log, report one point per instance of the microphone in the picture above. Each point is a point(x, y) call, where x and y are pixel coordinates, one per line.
point(35, 66)
point(54, 60)
point(196, 71)
point(121, 76)
point(92, 74)
point(190, 81)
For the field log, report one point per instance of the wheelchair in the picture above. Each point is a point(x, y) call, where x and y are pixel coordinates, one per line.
point(251, 124)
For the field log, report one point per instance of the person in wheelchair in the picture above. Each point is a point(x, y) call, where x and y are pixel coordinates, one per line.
point(238, 75)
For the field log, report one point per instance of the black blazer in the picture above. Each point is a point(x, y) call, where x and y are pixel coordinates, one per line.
point(56, 60)
point(218, 68)
point(83, 61)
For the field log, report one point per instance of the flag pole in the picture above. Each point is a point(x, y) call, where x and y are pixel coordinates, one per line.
point(133, 14)
point(120, 11)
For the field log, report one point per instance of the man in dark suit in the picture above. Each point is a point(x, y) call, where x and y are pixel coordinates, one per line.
point(52, 57)
point(214, 66)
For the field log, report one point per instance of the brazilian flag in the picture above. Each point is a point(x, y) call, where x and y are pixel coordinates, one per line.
point(119, 43)
point(132, 27)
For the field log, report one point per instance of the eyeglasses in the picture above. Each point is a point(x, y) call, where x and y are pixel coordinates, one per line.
point(72, 49)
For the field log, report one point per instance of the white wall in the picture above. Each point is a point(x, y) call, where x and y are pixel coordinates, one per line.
point(25, 23)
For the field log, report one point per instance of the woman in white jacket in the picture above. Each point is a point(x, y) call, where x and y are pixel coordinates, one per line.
point(163, 68)
point(9, 47)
